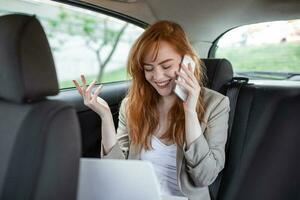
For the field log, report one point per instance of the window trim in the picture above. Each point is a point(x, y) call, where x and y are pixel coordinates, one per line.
point(214, 45)
point(105, 11)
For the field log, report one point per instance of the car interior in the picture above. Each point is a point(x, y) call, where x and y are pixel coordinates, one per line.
point(46, 129)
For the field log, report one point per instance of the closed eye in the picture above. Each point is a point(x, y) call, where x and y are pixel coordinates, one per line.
point(166, 67)
point(149, 69)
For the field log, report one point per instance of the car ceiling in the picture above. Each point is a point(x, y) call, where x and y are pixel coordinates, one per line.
point(205, 20)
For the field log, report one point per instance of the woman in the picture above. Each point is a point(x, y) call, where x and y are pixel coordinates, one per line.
point(185, 141)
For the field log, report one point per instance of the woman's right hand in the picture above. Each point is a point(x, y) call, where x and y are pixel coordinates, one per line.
point(92, 100)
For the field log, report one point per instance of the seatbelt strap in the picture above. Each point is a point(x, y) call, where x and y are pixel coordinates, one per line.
point(233, 89)
point(27, 154)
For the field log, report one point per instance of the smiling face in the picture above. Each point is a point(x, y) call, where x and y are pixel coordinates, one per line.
point(160, 72)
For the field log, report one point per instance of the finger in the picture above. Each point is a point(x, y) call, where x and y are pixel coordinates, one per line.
point(96, 93)
point(186, 78)
point(88, 94)
point(185, 86)
point(189, 71)
point(83, 82)
point(193, 74)
point(91, 86)
point(78, 87)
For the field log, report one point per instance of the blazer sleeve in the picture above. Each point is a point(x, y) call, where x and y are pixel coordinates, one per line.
point(205, 157)
point(121, 148)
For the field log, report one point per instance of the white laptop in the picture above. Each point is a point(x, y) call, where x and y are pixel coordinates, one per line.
point(119, 180)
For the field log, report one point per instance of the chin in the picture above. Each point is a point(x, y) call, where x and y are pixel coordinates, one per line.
point(165, 93)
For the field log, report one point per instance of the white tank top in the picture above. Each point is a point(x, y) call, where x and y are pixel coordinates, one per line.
point(163, 158)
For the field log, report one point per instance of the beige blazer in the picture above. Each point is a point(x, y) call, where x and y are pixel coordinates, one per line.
point(198, 166)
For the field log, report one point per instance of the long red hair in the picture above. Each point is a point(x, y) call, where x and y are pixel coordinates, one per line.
point(141, 107)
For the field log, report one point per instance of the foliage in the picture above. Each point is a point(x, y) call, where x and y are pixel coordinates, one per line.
point(99, 36)
point(281, 57)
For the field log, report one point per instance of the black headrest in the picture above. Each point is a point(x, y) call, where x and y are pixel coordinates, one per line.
point(219, 72)
point(27, 71)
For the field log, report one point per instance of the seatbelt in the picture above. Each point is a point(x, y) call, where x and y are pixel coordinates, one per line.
point(233, 89)
point(27, 154)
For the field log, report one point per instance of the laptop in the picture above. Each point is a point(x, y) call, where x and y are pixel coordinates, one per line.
point(118, 180)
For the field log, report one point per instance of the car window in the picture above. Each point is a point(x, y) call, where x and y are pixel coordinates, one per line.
point(263, 51)
point(82, 42)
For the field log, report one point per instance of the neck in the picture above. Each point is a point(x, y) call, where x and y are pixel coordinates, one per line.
point(165, 103)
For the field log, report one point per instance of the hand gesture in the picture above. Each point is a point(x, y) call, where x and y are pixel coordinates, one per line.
point(92, 100)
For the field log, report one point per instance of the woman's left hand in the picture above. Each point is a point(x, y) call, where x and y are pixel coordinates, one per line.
point(191, 84)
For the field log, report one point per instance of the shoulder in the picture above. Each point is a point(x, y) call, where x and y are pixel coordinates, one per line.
point(124, 102)
point(211, 96)
point(214, 100)
point(123, 107)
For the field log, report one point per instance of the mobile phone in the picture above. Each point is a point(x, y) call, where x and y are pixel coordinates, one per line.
point(178, 90)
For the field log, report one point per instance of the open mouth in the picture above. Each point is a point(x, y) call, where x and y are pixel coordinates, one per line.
point(163, 84)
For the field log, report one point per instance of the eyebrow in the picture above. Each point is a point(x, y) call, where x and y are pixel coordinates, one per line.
point(162, 62)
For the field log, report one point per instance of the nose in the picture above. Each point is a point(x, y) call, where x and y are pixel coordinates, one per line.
point(158, 74)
